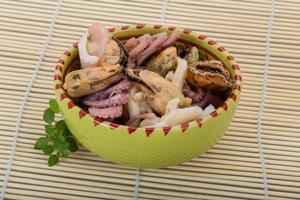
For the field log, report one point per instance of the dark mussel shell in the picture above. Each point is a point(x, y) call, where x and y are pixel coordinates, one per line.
point(124, 56)
point(133, 75)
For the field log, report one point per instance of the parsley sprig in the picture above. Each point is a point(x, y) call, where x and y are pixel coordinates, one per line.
point(58, 141)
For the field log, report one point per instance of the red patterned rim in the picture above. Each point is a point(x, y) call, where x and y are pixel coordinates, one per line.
point(148, 131)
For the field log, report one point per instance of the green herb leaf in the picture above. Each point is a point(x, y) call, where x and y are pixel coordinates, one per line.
point(51, 132)
point(48, 150)
point(59, 141)
point(48, 116)
point(53, 160)
point(41, 143)
point(60, 145)
point(72, 144)
point(53, 105)
point(61, 138)
point(65, 153)
point(49, 129)
point(67, 133)
point(61, 126)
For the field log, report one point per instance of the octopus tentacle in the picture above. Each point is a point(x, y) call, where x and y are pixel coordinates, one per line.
point(116, 100)
point(108, 103)
point(155, 46)
point(114, 93)
point(158, 40)
point(96, 96)
point(195, 94)
point(131, 43)
point(121, 86)
point(143, 37)
point(142, 47)
point(110, 112)
point(201, 97)
point(116, 89)
point(144, 43)
point(159, 35)
point(172, 38)
point(205, 100)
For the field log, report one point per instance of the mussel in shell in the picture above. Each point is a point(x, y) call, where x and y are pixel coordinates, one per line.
point(164, 62)
point(97, 48)
point(89, 80)
point(133, 75)
point(192, 56)
point(158, 91)
point(209, 75)
point(115, 53)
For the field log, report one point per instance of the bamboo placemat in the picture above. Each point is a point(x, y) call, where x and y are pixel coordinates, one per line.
point(259, 156)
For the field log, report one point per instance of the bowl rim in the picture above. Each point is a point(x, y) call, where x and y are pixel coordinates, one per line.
point(231, 99)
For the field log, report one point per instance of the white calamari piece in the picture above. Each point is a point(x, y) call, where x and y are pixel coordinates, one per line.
point(170, 76)
point(174, 115)
point(133, 108)
point(182, 115)
point(208, 110)
point(133, 105)
point(92, 45)
point(172, 105)
point(86, 59)
point(149, 122)
point(180, 73)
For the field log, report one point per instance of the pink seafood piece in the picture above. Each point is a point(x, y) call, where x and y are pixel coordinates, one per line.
point(110, 112)
point(144, 46)
point(158, 39)
point(172, 38)
point(116, 89)
point(98, 39)
point(108, 103)
point(211, 98)
point(131, 43)
point(115, 100)
point(92, 45)
point(144, 41)
point(201, 97)
point(196, 95)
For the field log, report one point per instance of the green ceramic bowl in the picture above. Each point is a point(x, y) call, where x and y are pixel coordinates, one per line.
point(150, 147)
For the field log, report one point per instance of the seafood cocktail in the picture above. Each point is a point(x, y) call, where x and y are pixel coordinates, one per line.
point(155, 81)
point(146, 80)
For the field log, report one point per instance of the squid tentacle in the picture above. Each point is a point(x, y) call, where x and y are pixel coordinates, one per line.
point(116, 89)
point(172, 38)
point(116, 100)
point(159, 39)
point(143, 44)
point(110, 112)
